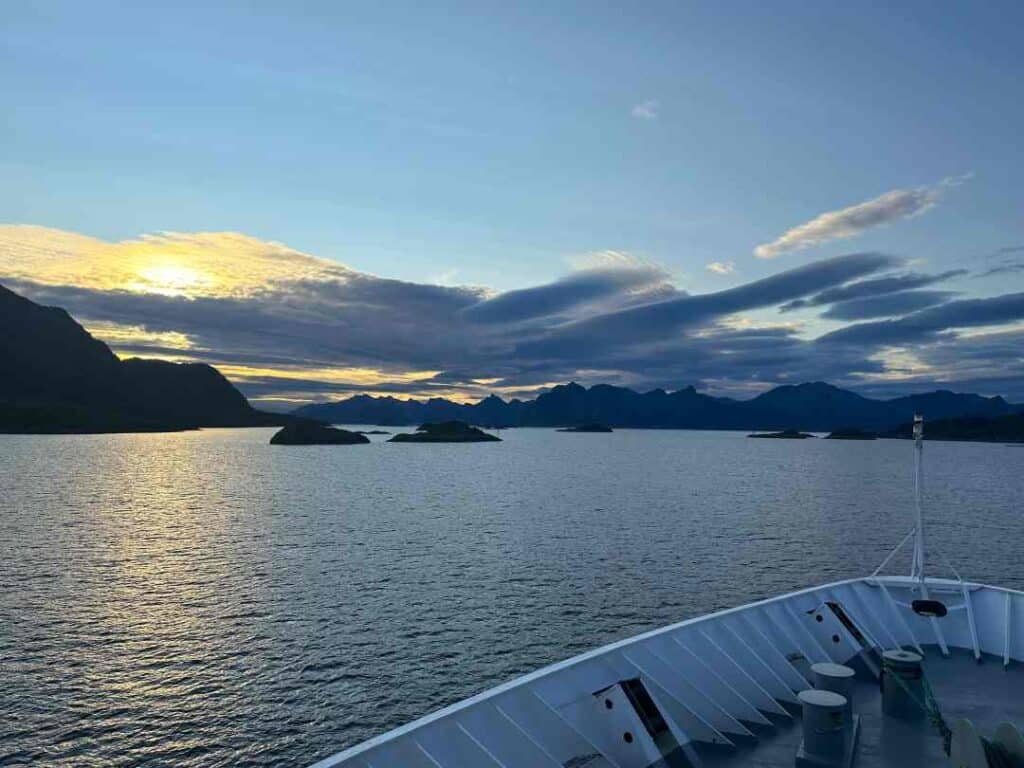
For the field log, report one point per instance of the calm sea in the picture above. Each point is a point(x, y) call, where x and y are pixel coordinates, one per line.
point(205, 599)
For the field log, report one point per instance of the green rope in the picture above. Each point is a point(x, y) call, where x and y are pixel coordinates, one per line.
point(935, 715)
point(930, 706)
point(996, 755)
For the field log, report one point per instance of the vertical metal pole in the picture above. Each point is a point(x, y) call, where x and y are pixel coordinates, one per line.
point(919, 539)
point(917, 571)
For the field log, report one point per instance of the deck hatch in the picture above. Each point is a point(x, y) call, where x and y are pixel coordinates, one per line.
point(645, 707)
point(847, 623)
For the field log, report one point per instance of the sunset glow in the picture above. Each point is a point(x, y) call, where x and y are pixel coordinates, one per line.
point(288, 327)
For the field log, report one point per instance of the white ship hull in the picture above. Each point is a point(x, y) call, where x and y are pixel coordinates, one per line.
point(713, 680)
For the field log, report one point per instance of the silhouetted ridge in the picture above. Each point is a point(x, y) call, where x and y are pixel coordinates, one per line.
point(55, 377)
point(814, 407)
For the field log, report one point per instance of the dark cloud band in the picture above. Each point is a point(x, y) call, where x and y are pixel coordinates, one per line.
point(621, 324)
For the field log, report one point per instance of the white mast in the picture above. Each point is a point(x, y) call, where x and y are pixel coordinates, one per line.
point(917, 569)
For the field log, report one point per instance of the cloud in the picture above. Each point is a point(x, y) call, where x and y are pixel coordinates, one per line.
point(171, 263)
point(290, 327)
point(647, 110)
point(855, 219)
point(888, 305)
point(658, 319)
point(986, 362)
point(932, 324)
point(721, 267)
point(878, 286)
point(447, 277)
point(1006, 263)
point(573, 291)
point(1003, 269)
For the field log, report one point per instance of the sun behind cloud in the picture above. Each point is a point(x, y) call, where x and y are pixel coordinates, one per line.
point(192, 265)
point(171, 280)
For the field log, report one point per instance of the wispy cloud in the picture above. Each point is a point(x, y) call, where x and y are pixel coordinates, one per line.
point(446, 277)
point(577, 291)
point(935, 323)
point(1003, 269)
point(888, 305)
point(879, 286)
point(721, 267)
point(1004, 261)
point(646, 110)
point(855, 219)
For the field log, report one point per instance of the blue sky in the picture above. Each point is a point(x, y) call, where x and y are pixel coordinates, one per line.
point(483, 145)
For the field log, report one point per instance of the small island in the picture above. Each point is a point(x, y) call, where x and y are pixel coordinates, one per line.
point(314, 433)
point(975, 429)
point(786, 434)
point(445, 432)
point(372, 432)
point(851, 434)
point(594, 427)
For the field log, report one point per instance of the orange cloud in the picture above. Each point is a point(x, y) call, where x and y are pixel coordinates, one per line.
point(203, 264)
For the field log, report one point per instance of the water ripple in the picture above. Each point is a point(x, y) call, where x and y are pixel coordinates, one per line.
point(202, 600)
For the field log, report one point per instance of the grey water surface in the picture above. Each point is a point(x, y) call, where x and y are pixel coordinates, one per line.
point(205, 599)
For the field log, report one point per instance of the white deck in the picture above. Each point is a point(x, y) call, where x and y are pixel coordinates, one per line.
point(715, 680)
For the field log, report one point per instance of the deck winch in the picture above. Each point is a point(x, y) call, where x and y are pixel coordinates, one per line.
point(824, 730)
point(837, 678)
point(829, 726)
point(902, 682)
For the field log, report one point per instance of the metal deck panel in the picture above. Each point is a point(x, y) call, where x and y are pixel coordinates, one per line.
point(985, 692)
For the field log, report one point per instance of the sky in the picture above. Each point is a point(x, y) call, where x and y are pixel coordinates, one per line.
point(455, 199)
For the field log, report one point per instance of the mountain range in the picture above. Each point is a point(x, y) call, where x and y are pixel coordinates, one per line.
point(813, 406)
point(55, 377)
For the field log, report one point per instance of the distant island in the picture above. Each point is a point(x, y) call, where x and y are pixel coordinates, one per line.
point(314, 433)
point(1006, 429)
point(813, 407)
point(372, 432)
point(587, 428)
point(786, 434)
point(851, 434)
point(56, 378)
point(445, 432)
